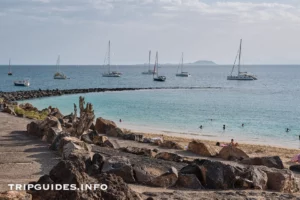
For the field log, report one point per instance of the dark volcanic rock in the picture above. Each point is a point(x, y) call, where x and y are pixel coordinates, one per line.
point(33, 128)
point(189, 181)
point(295, 168)
point(232, 153)
point(115, 132)
point(273, 161)
point(103, 125)
point(119, 166)
point(67, 172)
point(130, 136)
point(140, 151)
point(281, 180)
point(50, 134)
point(171, 145)
point(86, 138)
point(165, 180)
point(217, 175)
point(202, 149)
point(169, 156)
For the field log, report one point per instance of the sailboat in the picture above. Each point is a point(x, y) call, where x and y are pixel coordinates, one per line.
point(182, 73)
point(150, 71)
point(110, 73)
point(24, 83)
point(157, 78)
point(241, 76)
point(9, 69)
point(58, 74)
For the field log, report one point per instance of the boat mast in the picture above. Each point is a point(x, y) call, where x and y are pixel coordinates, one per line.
point(156, 64)
point(149, 58)
point(240, 54)
point(108, 57)
point(181, 62)
point(57, 63)
point(9, 67)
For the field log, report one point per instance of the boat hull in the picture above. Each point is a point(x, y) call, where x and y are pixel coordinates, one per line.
point(183, 75)
point(242, 78)
point(160, 78)
point(150, 72)
point(22, 84)
point(111, 75)
point(59, 76)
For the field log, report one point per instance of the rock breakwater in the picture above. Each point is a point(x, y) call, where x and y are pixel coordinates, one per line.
point(33, 94)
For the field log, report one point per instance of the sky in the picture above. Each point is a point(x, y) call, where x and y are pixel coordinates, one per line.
point(37, 31)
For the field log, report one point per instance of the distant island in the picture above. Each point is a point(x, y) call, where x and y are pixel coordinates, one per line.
point(199, 62)
point(203, 62)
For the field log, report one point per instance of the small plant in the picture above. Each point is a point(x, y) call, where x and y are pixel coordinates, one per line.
point(19, 111)
point(40, 115)
point(85, 120)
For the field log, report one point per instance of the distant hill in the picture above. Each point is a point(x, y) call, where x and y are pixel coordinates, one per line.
point(203, 62)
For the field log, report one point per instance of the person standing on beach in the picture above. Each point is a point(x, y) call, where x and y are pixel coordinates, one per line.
point(120, 120)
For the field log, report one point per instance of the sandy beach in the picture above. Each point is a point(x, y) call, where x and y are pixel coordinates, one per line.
point(253, 149)
point(41, 164)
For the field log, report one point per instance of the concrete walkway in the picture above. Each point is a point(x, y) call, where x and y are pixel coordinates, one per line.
point(23, 158)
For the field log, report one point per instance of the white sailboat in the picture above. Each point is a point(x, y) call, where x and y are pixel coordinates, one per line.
point(241, 76)
point(58, 74)
point(24, 83)
point(157, 77)
point(110, 73)
point(182, 73)
point(150, 71)
point(9, 69)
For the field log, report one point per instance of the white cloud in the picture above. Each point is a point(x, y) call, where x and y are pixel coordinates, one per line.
point(205, 27)
point(122, 10)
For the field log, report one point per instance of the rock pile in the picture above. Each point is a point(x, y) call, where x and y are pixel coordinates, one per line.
point(92, 157)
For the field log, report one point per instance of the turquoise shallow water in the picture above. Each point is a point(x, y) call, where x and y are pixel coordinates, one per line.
point(184, 110)
point(267, 106)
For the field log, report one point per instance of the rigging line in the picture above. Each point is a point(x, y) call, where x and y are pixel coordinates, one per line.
point(235, 61)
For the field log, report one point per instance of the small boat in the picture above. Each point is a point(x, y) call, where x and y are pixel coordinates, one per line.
point(24, 83)
point(150, 71)
point(58, 74)
point(157, 77)
point(110, 73)
point(182, 74)
point(241, 76)
point(9, 69)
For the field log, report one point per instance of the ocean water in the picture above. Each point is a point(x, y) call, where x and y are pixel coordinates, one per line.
point(267, 106)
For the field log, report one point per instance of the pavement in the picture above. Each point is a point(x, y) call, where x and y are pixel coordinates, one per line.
point(23, 158)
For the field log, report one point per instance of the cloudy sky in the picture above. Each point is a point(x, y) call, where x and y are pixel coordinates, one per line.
point(36, 31)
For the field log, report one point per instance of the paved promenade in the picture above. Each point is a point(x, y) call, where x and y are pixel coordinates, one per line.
point(23, 158)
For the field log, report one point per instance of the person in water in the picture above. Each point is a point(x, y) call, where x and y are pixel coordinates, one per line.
point(120, 120)
point(287, 129)
point(200, 127)
point(224, 127)
point(242, 125)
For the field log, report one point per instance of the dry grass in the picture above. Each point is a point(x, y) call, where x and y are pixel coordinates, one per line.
point(41, 115)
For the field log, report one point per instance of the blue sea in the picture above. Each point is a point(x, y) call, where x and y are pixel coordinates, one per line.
point(266, 107)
